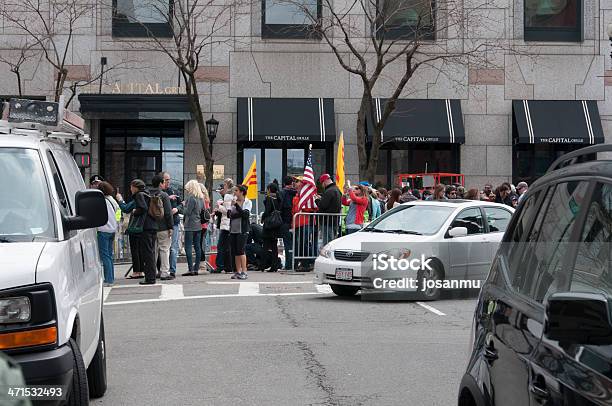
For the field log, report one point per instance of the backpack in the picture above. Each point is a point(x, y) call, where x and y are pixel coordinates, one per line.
point(156, 207)
point(204, 215)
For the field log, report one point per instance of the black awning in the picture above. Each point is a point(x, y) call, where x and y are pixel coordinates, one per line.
point(135, 106)
point(284, 119)
point(556, 122)
point(421, 121)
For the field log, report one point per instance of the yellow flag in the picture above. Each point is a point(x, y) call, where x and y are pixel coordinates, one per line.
point(250, 180)
point(340, 163)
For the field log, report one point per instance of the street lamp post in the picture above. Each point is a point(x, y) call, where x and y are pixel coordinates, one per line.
point(211, 128)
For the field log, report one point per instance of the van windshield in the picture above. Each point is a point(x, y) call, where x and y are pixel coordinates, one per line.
point(25, 210)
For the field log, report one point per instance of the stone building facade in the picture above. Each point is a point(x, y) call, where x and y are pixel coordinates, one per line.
point(245, 64)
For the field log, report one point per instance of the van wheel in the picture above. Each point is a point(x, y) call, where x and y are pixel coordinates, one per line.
point(343, 290)
point(96, 373)
point(79, 394)
point(431, 293)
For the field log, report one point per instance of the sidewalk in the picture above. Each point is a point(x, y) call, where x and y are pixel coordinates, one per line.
point(254, 276)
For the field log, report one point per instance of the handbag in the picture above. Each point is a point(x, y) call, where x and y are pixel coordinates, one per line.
point(136, 224)
point(275, 220)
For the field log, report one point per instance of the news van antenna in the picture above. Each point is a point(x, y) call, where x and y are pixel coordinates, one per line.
point(43, 119)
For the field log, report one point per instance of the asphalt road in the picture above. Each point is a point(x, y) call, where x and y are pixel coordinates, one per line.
point(279, 342)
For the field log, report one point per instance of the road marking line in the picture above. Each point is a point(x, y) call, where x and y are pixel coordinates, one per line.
point(264, 282)
point(431, 309)
point(323, 288)
point(137, 286)
point(248, 289)
point(207, 297)
point(107, 291)
point(172, 291)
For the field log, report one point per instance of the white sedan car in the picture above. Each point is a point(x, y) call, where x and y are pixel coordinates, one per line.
point(456, 240)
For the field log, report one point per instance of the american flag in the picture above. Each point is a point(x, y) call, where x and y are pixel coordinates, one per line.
point(309, 188)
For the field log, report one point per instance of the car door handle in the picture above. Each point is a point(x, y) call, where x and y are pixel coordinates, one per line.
point(538, 392)
point(490, 353)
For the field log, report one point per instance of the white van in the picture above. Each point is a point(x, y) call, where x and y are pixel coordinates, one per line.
point(50, 272)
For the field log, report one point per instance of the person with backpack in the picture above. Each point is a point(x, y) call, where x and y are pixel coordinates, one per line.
point(193, 227)
point(106, 233)
point(142, 230)
point(272, 224)
point(161, 210)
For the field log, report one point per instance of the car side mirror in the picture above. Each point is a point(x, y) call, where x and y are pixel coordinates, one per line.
point(578, 318)
point(458, 232)
point(90, 211)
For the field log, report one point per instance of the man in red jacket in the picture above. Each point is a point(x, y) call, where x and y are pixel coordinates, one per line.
point(357, 200)
point(305, 238)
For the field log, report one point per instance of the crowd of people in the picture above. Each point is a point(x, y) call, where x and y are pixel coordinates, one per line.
point(246, 241)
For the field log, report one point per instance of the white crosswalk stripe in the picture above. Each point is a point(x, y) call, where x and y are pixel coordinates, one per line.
point(174, 291)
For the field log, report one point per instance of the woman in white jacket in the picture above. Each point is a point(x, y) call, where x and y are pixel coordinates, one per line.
point(106, 233)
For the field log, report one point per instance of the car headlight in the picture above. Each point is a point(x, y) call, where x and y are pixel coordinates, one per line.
point(397, 253)
point(325, 252)
point(15, 309)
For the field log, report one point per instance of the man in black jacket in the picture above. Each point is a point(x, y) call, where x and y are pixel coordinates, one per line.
point(287, 195)
point(165, 226)
point(330, 202)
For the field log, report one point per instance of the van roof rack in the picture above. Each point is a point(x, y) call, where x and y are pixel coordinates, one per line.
point(43, 119)
point(574, 155)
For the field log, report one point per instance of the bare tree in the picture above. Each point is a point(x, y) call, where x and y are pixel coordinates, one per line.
point(372, 37)
point(25, 52)
point(50, 26)
point(196, 25)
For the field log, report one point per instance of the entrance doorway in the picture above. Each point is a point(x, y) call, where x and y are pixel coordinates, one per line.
point(140, 149)
point(142, 165)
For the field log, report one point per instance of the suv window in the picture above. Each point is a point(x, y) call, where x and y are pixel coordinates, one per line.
point(538, 270)
point(471, 219)
point(497, 219)
point(592, 271)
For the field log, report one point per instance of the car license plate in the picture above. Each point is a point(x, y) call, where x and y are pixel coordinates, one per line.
point(344, 274)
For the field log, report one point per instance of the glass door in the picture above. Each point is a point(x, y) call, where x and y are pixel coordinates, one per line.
point(142, 165)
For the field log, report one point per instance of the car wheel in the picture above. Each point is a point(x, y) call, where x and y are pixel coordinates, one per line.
point(79, 394)
point(433, 274)
point(343, 290)
point(96, 373)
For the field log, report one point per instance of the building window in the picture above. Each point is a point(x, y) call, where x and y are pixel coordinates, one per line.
point(406, 19)
point(142, 18)
point(553, 20)
point(139, 149)
point(287, 19)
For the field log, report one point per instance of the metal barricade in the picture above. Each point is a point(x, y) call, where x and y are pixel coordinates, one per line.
point(310, 232)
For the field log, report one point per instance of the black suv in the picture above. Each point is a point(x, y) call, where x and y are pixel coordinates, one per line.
point(542, 329)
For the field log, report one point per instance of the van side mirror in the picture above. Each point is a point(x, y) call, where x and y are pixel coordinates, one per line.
point(578, 318)
point(90, 211)
point(458, 232)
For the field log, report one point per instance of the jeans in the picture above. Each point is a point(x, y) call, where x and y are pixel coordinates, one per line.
point(205, 243)
point(288, 244)
point(105, 246)
point(192, 241)
point(174, 248)
point(224, 260)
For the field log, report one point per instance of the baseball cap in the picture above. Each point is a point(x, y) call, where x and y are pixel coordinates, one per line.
point(364, 183)
point(95, 178)
point(324, 177)
point(521, 185)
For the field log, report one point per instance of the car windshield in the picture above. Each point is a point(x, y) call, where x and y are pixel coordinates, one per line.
point(412, 219)
point(25, 212)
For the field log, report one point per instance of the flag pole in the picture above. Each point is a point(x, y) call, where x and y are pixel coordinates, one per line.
point(257, 197)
